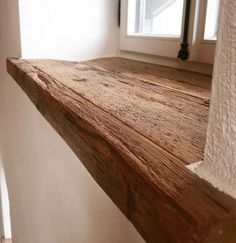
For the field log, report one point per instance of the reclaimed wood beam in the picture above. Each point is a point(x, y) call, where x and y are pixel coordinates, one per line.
point(135, 126)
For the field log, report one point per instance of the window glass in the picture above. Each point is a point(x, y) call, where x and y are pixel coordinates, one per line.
point(156, 17)
point(212, 17)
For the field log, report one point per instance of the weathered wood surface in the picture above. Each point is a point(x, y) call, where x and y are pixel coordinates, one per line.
point(157, 107)
point(134, 126)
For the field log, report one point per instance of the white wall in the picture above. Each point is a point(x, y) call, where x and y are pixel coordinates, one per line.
point(53, 199)
point(219, 166)
point(69, 29)
point(5, 212)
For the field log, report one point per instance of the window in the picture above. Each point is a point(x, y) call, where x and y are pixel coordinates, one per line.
point(156, 17)
point(156, 27)
point(211, 23)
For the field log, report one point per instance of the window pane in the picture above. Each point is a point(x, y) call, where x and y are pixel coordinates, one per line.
point(212, 17)
point(156, 17)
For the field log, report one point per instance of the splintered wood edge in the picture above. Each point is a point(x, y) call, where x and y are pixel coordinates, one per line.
point(163, 199)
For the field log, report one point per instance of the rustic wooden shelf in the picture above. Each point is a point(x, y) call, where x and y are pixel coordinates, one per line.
point(135, 126)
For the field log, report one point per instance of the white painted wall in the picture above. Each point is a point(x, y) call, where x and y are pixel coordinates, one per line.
point(9, 46)
point(219, 166)
point(53, 199)
point(68, 29)
point(4, 203)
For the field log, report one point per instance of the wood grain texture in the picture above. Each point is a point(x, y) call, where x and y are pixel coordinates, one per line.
point(173, 114)
point(134, 126)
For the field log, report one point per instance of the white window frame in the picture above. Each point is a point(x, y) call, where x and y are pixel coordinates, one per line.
point(200, 50)
point(203, 50)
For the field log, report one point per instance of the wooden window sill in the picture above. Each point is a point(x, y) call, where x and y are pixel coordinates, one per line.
point(135, 126)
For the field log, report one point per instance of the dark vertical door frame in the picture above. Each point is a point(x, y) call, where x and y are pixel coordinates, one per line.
point(183, 53)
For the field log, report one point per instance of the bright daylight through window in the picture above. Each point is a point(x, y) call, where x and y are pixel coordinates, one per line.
point(156, 17)
point(212, 15)
point(157, 27)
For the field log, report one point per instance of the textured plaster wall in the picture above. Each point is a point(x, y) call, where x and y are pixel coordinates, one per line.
point(219, 166)
point(53, 199)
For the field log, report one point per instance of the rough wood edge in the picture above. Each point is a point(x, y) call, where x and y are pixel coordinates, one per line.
point(164, 201)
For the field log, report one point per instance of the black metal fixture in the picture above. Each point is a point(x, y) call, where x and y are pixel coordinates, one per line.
point(184, 51)
point(119, 12)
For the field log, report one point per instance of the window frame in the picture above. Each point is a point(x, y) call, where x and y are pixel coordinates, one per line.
point(203, 50)
point(200, 50)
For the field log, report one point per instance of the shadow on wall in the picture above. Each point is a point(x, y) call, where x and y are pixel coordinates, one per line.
point(10, 46)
